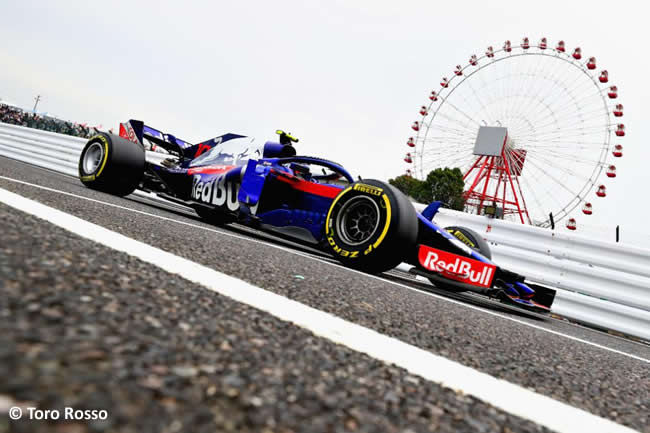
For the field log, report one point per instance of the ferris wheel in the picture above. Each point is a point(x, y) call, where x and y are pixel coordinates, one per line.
point(532, 127)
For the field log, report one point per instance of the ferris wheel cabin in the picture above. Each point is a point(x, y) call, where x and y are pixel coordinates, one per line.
point(480, 132)
point(591, 64)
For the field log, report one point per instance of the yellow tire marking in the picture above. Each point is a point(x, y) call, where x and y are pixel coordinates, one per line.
point(383, 233)
point(388, 215)
point(329, 213)
point(103, 139)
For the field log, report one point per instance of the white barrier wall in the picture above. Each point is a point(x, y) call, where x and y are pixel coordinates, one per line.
point(616, 272)
point(57, 152)
point(600, 283)
point(49, 150)
point(605, 284)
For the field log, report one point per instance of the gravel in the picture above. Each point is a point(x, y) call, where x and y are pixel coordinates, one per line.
point(89, 328)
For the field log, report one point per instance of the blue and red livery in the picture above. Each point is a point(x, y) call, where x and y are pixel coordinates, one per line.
point(366, 224)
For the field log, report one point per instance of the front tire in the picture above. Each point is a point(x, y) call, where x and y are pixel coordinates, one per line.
point(472, 239)
point(371, 226)
point(111, 164)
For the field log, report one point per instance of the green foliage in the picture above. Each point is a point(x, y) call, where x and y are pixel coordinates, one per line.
point(444, 184)
point(447, 185)
point(414, 188)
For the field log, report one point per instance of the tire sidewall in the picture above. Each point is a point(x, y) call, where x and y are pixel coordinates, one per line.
point(121, 169)
point(338, 244)
point(390, 243)
point(88, 178)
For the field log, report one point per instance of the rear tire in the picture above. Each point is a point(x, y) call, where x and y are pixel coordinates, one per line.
point(371, 226)
point(111, 164)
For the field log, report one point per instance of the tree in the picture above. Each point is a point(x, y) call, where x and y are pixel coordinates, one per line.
point(443, 184)
point(447, 185)
point(407, 184)
point(412, 187)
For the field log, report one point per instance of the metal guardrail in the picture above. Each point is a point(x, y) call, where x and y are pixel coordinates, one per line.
point(56, 152)
point(49, 150)
point(600, 283)
point(604, 284)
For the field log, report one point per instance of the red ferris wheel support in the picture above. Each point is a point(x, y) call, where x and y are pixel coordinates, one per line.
point(494, 176)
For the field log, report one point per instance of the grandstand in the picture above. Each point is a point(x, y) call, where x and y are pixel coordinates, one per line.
point(17, 116)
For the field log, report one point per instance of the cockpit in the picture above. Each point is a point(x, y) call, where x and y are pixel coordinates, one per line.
point(317, 171)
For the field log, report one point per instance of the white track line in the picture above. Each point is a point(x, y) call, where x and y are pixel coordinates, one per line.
point(322, 260)
point(511, 398)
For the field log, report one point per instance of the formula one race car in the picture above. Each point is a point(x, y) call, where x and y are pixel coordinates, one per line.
point(366, 224)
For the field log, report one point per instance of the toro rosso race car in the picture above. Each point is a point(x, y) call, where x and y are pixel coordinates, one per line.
point(367, 224)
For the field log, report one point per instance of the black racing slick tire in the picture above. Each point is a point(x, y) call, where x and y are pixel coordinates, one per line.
point(471, 239)
point(371, 226)
point(111, 164)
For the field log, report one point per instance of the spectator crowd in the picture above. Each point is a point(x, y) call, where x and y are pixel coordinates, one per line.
point(16, 116)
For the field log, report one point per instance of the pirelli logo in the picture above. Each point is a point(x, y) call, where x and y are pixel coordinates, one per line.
point(368, 188)
point(464, 239)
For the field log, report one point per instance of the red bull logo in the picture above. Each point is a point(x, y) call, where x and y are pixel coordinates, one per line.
point(127, 132)
point(456, 267)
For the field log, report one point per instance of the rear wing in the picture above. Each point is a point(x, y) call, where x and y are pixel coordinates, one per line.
point(151, 138)
point(137, 132)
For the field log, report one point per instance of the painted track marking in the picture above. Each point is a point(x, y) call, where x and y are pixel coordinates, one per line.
point(511, 398)
point(314, 257)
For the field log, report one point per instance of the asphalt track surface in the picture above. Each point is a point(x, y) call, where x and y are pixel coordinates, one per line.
point(83, 325)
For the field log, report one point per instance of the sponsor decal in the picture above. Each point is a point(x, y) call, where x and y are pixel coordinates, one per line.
point(329, 224)
point(459, 244)
point(456, 267)
point(126, 131)
point(461, 237)
point(100, 138)
point(341, 251)
point(218, 192)
point(203, 147)
point(368, 188)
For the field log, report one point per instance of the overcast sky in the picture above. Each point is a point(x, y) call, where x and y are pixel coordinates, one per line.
point(346, 77)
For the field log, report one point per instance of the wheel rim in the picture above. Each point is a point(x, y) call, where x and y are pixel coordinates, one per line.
point(93, 157)
point(358, 220)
